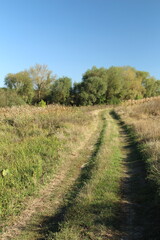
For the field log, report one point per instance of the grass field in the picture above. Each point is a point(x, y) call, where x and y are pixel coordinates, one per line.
point(95, 211)
point(80, 173)
point(32, 141)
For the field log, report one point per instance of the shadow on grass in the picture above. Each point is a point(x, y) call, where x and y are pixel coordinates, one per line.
point(139, 190)
point(53, 224)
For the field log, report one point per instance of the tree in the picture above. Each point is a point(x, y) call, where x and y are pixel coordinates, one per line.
point(115, 83)
point(157, 87)
point(42, 79)
point(22, 84)
point(132, 83)
point(93, 87)
point(150, 85)
point(10, 98)
point(61, 90)
point(75, 94)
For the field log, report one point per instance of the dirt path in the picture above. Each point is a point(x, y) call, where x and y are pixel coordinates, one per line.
point(28, 224)
point(33, 223)
point(132, 180)
point(134, 188)
point(132, 191)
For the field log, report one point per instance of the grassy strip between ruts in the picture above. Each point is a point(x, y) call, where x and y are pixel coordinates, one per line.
point(94, 213)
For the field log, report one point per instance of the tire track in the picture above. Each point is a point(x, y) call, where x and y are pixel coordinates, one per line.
point(134, 187)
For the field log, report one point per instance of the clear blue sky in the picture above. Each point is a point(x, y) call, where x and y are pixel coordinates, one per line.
point(71, 36)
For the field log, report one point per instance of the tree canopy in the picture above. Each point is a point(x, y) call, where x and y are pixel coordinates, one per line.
point(22, 84)
point(61, 89)
point(98, 86)
point(42, 79)
point(93, 87)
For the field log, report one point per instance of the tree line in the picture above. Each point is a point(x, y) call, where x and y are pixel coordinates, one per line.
point(98, 86)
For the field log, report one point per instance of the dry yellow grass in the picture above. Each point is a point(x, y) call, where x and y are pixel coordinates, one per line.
point(131, 102)
point(145, 120)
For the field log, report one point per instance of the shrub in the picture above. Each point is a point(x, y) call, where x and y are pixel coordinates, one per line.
point(114, 101)
point(42, 103)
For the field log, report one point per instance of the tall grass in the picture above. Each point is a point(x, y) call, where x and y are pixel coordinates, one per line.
point(145, 120)
point(31, 142)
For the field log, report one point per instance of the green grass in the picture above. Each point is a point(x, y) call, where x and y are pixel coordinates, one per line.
point(75, 152)
point(26, 164)
point(94, 212)
point(30, 146)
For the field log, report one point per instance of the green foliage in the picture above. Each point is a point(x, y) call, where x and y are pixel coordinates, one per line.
point(61, 91)
point(98, 86)
point(114, 101)
point(42, 79)
point(115, 83)
point(111, 86)
point(42, 103)
point(22, 84)
point(157, 87)
point(9, 98)
point(132, 84)
point(93, 87)
point(150, 86)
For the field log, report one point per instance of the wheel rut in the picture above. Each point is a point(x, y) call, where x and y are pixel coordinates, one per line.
point(47, 212)
point(134, 187)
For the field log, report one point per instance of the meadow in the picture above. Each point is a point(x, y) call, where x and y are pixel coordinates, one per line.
point(90, 172)
point(32, 140)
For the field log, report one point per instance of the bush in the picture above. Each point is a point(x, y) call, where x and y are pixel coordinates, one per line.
point(42, 103)
point(114, 101)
